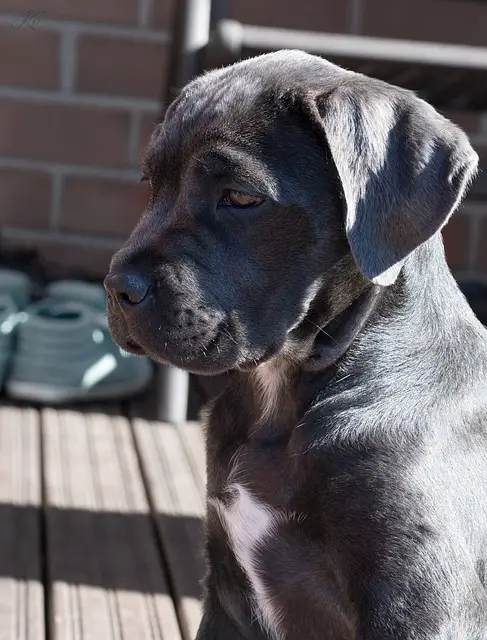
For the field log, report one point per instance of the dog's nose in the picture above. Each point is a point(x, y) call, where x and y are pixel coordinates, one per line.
point(128, 288)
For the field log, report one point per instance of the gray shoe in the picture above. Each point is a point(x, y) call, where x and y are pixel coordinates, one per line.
point(16, 285)
point(88, 293)
point(65, 354)
point(15, 289)
point(8, 313)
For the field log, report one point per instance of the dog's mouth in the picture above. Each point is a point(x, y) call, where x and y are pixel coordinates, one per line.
point(213, 356)
point(132, 347)
point(220, 353)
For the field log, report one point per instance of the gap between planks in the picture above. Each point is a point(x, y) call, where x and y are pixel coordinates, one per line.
point(107, 578)
point(172, 462)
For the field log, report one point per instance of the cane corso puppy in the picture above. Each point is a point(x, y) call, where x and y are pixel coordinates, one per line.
point(292, 240)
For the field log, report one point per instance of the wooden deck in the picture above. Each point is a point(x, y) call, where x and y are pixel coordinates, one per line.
point(100, 525)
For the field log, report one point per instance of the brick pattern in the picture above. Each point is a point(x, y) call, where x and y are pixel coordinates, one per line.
point(64, 133)
point(29, 58)
point(120, 67)
point(480, 264)
point(462, 235)
point(163, 13)
point(453, 21)
point(456, 236)
point(470, 121)
point(102, 207)
point(147, 126)
point(65, 257)
point(119, 12)
point(79, 97)
point(79, 93)
point(311, 15)
point(25, 198)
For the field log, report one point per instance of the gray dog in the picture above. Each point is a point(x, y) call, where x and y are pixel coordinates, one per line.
point(292, 239)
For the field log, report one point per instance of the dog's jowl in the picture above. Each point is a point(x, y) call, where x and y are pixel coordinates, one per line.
point(293, 241)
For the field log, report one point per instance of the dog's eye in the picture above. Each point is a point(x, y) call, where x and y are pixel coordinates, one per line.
point(239, 199)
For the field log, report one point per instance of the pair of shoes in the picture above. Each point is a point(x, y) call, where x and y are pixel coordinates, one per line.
point(59, 350)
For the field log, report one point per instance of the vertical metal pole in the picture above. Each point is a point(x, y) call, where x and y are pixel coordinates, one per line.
point(191, 33)
point(173, 392)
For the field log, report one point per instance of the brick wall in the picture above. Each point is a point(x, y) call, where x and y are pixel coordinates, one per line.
point(465, 235)
point(79, 93)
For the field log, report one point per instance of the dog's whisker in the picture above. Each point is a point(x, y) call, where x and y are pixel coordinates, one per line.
point(342, 379)
point(321, 330)
point(229, 335)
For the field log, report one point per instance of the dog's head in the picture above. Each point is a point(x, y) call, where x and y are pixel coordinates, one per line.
point(277, 186)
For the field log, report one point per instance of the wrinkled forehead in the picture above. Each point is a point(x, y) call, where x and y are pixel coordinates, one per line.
point(241, 100)
point(215, 127)
point(239, 122)
point(221, 104)
point(247, 84)
point(218, 111)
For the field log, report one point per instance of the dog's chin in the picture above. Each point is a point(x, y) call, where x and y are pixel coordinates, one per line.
point(221, 354)
point(248, 362)
point(131, 347)
point(213, 357)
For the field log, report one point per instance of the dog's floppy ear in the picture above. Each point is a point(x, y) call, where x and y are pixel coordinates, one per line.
point(403, 169)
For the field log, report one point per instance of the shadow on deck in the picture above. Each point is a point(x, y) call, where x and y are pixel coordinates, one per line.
point(100, 524)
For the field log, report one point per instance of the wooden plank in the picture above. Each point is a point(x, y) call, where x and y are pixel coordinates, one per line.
point(108, 581)
point(191, 434)
point(75, 574)
point(177, 500)
point(21, 588)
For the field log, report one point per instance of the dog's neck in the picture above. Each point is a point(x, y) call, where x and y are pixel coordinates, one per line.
point(277, 382)
point(424, 307)
point(331, 342)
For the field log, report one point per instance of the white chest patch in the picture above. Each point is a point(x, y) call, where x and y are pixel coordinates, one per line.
point(250, 525)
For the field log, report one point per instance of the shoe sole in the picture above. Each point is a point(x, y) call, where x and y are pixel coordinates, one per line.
point(46, 394)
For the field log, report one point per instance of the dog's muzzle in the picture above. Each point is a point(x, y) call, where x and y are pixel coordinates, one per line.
point(152, 318)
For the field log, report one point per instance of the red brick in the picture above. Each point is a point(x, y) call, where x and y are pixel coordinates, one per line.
point(120, 67)
point(454, 21)
point(97, 206)
point(478, 188)
point(106, 11)
point(456, 236)
point(163, 15)
point(467, 120)
point(325, 15)
point(481, 149)
point(25, 198)
point(80, 135)
point(147, 126)
point(481, 260)
point(65, 259)
point(29, 58)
